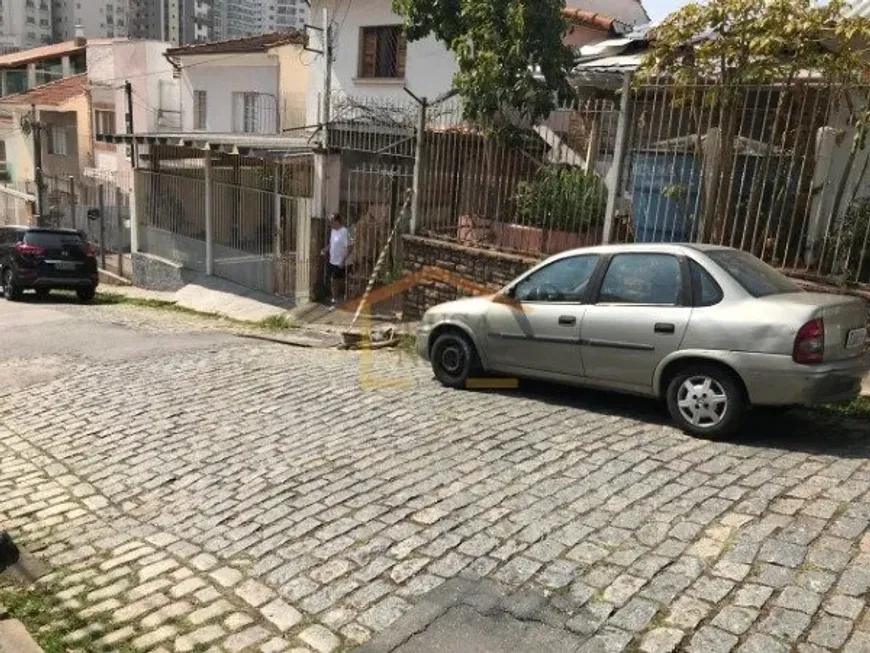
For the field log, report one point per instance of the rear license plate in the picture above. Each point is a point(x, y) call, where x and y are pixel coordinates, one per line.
point(64, 265)
point(856, 338)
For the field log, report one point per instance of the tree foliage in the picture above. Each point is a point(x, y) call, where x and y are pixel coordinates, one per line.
point(498, 44)
point(755, 42)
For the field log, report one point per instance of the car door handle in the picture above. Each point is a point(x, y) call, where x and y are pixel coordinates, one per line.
point(664, 327)
point(567, 320)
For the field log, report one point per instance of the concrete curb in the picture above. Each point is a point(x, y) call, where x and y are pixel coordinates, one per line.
point(14, 638)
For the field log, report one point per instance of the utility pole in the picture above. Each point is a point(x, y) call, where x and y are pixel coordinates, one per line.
point(327, 76)
point(30, 124)
point(128, 91)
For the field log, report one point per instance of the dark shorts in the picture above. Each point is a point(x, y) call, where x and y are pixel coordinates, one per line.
point(335, 272)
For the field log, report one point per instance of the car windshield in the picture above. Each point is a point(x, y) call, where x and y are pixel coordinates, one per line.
point(52, 239)
point(756, 276)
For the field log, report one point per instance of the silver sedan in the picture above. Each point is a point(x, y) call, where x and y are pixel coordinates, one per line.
point(710, 330)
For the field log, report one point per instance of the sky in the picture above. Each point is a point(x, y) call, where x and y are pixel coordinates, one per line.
point(658, 9)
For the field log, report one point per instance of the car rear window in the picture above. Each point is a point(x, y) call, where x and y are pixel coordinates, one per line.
point(52, 239)
point(755, 276)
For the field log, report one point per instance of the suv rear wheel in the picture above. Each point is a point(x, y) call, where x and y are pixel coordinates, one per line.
point(86, 294)
point(10, 290)
point(706, 401)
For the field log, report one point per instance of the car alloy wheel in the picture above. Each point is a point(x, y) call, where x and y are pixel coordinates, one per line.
point(706, 400)
point(703, 402)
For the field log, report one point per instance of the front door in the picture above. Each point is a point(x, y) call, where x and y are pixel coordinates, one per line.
point(536, 329)
point(639, 317)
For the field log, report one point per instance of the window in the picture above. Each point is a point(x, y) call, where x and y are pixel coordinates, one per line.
point(254, 113)
point(104, 122)
point(642, 279)
point(200, 107)
point(383, 51)
point(705, 290)
point(562, 281)
point(57, 141)
point(756, 277)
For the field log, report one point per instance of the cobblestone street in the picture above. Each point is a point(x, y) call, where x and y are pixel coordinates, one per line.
point(197, 491)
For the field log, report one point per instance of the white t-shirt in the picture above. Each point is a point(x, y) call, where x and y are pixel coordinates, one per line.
point(339, 241)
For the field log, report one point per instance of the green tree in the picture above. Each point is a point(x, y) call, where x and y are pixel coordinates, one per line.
point(498, 44)
point(742, 45)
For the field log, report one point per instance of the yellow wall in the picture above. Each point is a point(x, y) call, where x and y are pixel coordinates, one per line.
point(293, 83)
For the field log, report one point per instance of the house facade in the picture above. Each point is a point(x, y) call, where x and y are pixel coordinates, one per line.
point(373, 59)
point(73, 109)
point(252, 85)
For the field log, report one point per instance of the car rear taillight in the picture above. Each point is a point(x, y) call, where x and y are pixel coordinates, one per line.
point(809, 344)
point(91, 250)
point(29, 250)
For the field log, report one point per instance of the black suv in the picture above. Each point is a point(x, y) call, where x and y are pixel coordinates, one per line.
point(46, 260)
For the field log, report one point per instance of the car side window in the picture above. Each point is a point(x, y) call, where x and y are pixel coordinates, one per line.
point(564, 280)
point(642, 279)
point(705, 290)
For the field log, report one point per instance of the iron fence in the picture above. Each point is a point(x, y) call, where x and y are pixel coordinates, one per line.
point(774, 170)
point(255, 207)
point(98, 205)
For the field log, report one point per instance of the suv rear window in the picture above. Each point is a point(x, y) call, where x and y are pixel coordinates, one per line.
point(52, 239)
point(756, 276)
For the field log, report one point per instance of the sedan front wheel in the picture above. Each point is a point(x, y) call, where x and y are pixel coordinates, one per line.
point(706, 401)
point(454, 360)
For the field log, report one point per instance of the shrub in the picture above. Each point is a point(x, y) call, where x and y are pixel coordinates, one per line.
point(562, 198)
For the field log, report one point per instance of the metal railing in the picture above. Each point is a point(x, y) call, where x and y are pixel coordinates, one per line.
point(252, 238)
point(771, 170)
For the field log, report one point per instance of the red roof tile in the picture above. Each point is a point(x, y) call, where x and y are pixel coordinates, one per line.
point(258, 43)
point(51, 94)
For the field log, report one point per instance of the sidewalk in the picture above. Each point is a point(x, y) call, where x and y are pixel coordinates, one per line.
point(216, 296)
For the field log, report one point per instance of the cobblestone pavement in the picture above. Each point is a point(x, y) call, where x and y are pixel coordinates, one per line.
point(249, 496)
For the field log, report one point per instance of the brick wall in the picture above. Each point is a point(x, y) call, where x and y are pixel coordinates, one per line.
point(488, 268)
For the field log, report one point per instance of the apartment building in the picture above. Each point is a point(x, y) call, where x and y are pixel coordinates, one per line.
point(24, 24)
point(93, 18)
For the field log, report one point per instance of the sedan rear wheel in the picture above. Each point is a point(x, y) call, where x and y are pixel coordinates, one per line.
point(454, 360)
point(706, 401)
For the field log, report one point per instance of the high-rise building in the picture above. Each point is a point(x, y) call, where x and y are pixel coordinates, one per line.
point(24, 24)
point(179, 22)
point(284, 15)
point(96, 18)
point(243, 18)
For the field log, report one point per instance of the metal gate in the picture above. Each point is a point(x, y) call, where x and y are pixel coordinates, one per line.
point(372, 198)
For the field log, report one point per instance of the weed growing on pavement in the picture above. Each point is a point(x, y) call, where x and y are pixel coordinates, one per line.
point(859, 407)
point(49, 621)
point(273, 323)
point(278, 323)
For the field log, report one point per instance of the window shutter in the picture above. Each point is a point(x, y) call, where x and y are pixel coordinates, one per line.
point(401, 54)
point(368, 52)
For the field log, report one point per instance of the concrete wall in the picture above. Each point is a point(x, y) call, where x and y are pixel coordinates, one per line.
point(19, 149)
point(293, 81)
point(143, 63)
point(220, 78)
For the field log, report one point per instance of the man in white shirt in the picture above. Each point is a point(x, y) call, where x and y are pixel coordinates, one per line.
point(338, 251)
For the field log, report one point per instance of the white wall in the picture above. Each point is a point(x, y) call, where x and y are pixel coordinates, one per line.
point(220, 78)
point(143, 64)
point(429, 66)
